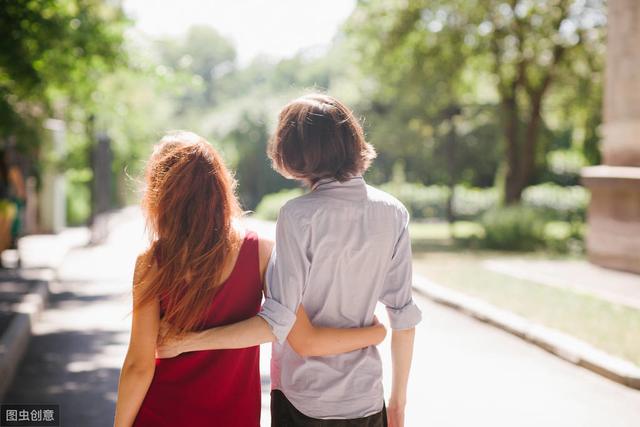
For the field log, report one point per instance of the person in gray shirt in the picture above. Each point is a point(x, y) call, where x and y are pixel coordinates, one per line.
point(340, 249)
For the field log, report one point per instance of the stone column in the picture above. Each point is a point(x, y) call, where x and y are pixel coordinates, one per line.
point(52, 204)
point(613, 238)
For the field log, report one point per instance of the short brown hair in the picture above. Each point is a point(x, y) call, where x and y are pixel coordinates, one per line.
point(319, 137)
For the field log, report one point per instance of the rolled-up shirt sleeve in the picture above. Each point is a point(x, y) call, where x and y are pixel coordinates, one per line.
point(286, 276)
point(396, 294)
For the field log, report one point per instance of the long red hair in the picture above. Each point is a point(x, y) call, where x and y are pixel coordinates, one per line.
point(189, 203)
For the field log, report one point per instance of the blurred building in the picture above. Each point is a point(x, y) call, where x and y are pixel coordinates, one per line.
point(613, 238)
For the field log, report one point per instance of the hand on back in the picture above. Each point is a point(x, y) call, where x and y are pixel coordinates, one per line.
point(173, 346)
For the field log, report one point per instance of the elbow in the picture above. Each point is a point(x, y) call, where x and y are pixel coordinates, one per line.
point(380, 334)
point(307, 352)
point(304, 347)
point(138, 368)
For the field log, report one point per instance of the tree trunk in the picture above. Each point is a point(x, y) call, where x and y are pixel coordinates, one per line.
point(512, 185)
point(451, 169)
point(530, 142)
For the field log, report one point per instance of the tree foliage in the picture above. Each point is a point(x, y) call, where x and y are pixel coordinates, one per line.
point(51, 53)
point(205, 55)
point(507, 56)
point(451, 92)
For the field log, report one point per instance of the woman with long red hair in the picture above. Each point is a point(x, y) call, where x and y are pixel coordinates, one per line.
point(202, 270)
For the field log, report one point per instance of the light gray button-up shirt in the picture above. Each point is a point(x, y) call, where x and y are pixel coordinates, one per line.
point(340, 249)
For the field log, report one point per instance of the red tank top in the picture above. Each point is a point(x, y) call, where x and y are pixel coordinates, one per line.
point(215, 387)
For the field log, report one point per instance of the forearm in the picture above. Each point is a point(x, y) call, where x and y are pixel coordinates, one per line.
point(132, 389)
point(247, 333)
point(331, 341)
point(401, 355)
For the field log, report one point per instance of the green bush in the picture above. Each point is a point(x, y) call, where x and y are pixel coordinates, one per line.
point(430, 202)
point(270, 205)
point(471, 203)
point(564, 166)
point(421, 201)
point(557, 202)
point(564, 237)
point(517, 227)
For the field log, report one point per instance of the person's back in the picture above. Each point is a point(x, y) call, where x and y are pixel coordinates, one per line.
point(340, 249)
point(221, 386)
point(202, 277)
point(201, 270)
point(350, 232)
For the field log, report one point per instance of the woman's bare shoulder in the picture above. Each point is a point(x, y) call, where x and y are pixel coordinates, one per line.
point(265, 246)
point(145, 258)
point(145, 262)
point(265, 243)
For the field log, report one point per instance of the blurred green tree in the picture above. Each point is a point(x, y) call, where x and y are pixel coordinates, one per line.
point(203, 53)
point(246, 145)
point(422, 56)
point(52, 54)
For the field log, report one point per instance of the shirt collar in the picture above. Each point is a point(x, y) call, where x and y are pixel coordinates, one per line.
point(332, 182)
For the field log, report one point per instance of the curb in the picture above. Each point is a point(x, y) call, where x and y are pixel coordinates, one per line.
point(41, 257)
point(15, 340)
point(13, 345)
point(558, 343)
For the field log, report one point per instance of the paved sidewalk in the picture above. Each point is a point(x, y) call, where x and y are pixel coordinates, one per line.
point(562, 345)
point(24, 292)
point(581, 276)
point(80, 341)
point(47, 251)
point(465, 373)
point(21, 301)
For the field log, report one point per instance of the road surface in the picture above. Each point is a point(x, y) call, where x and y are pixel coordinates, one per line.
point(465, 373)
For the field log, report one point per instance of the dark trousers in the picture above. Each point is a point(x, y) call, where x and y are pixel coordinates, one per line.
point(284, 414)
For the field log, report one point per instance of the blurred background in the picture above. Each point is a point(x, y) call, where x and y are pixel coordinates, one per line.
point(495, 123)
